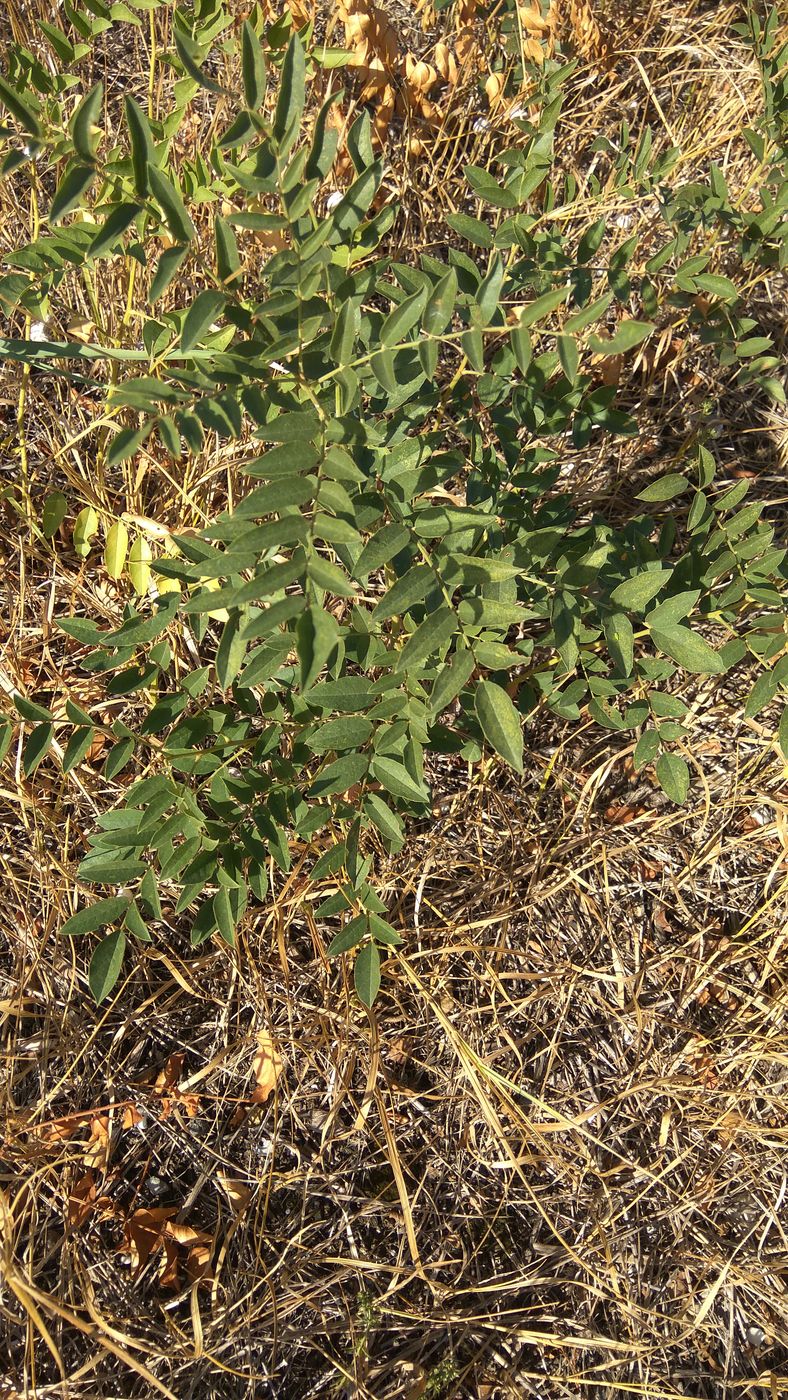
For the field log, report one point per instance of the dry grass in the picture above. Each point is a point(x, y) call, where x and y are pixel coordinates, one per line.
point(552, 1162)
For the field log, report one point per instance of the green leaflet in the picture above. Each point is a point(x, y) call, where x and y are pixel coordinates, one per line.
point(106, 963)
point(646, 749)
point(324, 143)
point(77, 747)
point(28, 709)
point(621, 640)
point(349, 732)
point(673, 775)
point(77, 179)
point(380, 549)
point(537, 310)
point(316, 639)
point(140, 556)
point(636, 593)
point(117, 758)
point(388, 823)
point(167, 268)
point(83, 121)
point(366, 973)
point(95, 916)
point(24, 109)
point(116, 549)
point(143, 152)
point(489, 293)
point(6, 735)
point(431, 634)
point(290, 101)
point(345, 333)
point(224, 915)
point(689, 649)
point(395, 778)
point(350, 936)
point(231, 650)
point(500, 722)
point(474, 230)
point(350, 695)
point(228, 258)
point(408, 590)
point(36, 747)
point(665, 488)
point(111, 231)
point(102, 868)
point(451, 680)
point(187, 53)
point(403, 318)
point(355, 203)
point(54, 513)
point(628, 335)
point(340, 775)
point(203, 311)
point(441, 304)
point(171, 204)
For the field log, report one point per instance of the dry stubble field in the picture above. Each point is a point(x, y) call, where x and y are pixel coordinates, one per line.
point(552, 1161)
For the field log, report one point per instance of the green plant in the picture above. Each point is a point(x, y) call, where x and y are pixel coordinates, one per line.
point(408, 576)
point(441, 1379)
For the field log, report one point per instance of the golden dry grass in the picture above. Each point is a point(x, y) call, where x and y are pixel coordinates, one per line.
point(551, 1162)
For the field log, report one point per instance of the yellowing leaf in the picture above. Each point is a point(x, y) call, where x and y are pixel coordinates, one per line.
point(81, 328)
point(139, 565)
point(212, 585)
point(116, 549)
point(85, 527)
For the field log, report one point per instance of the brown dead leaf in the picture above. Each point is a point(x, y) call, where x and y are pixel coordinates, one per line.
point(198, 1263)
point(175, 1238)
point(60, 1130)
point(239, 1116)
point(420, 75)
point(494, 87)
point(81, 1200)
point(168, 1269)
point(446, 63)
point(266, 1067)
point(593, 42)
point(621, 815)
point(97, 1151)
point(166, 1086)
point(150, 1231)
point(608, 370)
point(534, 49)
point(532, 22)
point(168, 1077)
point(191, 1103)
point(96, 748)
point(185, 1234)
point(143, 1233)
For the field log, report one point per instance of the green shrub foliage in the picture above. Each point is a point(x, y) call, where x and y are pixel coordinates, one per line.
point(406, 572)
